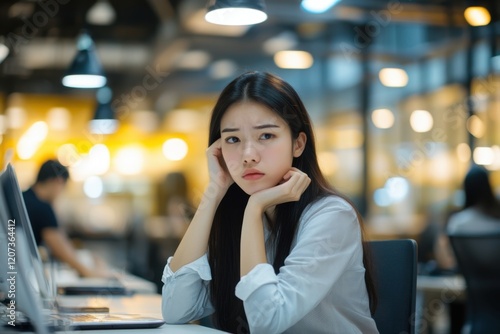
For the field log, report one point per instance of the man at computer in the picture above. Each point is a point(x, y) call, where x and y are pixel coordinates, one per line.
point(39, 198)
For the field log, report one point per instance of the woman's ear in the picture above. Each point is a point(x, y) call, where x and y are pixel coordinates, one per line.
point(299, 145)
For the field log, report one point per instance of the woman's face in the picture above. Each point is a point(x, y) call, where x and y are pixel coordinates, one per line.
point(257, 146)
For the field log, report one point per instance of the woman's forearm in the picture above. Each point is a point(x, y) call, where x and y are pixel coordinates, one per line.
point(253, 251)
point(195, 241)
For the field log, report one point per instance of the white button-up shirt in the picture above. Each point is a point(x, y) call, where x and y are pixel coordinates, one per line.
point(320, 289)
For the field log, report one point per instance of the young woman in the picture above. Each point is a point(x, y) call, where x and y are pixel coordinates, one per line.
point(272, 247)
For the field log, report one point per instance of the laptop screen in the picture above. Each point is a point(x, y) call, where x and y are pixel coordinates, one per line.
point(16, 280)
point(15, 206)
point(17, 255)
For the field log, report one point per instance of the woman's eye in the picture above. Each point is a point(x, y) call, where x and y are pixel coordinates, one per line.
point(231, 140)
point(266, 136)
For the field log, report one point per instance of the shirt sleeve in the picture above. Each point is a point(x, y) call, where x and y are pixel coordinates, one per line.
point(185, 293)
point(327, 241)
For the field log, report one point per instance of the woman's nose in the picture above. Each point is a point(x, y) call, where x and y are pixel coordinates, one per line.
point(250, 154)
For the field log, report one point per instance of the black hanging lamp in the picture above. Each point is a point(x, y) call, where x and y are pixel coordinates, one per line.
point(236, 12)
point(85, 70)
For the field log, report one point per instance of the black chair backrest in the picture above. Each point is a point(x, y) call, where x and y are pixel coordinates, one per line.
point(478, 258)
point(395, 274)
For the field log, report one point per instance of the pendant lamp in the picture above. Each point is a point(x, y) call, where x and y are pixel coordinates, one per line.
point(236, 12)
point(85, 70)
point(104, 121)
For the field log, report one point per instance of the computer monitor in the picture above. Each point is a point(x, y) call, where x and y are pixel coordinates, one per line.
point(16, 278)
point(15, 257)
point(17, 209)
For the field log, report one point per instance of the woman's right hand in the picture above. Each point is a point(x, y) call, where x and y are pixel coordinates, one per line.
point(217, 169)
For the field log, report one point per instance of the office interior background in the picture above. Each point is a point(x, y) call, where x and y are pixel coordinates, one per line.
point(404, 96)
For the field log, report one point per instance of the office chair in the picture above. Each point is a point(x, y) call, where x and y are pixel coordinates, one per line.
point(477, 259)
point(394, 264)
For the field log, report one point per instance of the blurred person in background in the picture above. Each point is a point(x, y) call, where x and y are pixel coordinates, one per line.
point(480, 214)
point(39, 199)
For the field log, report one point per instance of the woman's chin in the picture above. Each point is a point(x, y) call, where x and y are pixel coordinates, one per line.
point(252, 189)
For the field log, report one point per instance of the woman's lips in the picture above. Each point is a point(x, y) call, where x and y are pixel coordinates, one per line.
point(253, 176)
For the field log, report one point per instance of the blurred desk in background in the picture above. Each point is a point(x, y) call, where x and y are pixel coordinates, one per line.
point(434, 294)
point(451, 285)
point(65, 277)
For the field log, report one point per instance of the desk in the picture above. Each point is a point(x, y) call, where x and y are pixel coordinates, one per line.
point(169, 329)
point(434, 293)
point(147, 305)
point(439, 284)
point(65, 276)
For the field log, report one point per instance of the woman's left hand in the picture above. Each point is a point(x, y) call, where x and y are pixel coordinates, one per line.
point(290, 189)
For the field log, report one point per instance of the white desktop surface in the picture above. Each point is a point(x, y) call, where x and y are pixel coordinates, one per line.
point(169, 329)
point(147, 305)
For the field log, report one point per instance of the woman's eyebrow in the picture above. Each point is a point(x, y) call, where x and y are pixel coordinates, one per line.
point(257, 127)
point(266, 126)
point(230, 130)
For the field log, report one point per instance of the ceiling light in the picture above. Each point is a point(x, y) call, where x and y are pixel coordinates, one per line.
point(421, 121)
point(85, 70)
point(236, 12)
point(93, 187)
point(477, 16)
point(483, 155)
point(104, 121)
point(317, 7)
point(100, 159)
point(196, 23)
point(129, 160)
point(383, 118)
point(4, 50)
point(393, 77)
point(175, 149)
point(32, 139)
point(293, 59)
point(101, 13)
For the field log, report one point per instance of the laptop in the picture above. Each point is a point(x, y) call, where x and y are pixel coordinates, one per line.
point(73, 286)
point(32, 293)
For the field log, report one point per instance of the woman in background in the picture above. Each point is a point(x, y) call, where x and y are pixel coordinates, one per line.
point(481, 212)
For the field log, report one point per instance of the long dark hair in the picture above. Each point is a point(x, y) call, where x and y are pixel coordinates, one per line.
point(478, 192)
point(224, 241)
